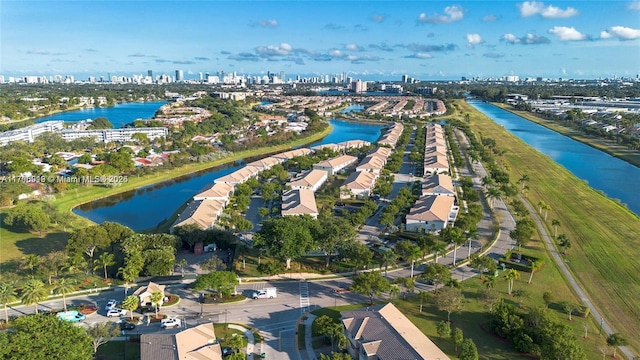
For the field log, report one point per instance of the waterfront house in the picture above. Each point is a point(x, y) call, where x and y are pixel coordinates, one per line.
point(219, 191)
point(384, 333)
point(288, 155)
point(266, 163)
point(202, 213)
point(239, 176)
point(432, 213)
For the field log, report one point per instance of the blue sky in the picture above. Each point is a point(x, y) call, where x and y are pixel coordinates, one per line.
point(367, 39)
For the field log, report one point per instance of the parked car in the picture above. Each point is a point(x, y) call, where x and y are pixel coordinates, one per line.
point(266, 293)
point(169, 323)
point(111, 304)
point(227, 351)
point(115, 312)
point(71, 316)
point(125, 325)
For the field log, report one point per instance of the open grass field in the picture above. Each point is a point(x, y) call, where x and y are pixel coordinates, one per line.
point(14, 244)
point(605, 236)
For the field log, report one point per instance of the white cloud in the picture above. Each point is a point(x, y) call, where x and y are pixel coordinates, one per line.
point(634, 5)
point(489, 18)
point(352, 47)
point(567, 33)
point(474, 39)
point(621, 32)
point(529, 39)
point(510, 38)
point(531, 8)
point(274, 50)
point(453, 13)
point(377, 18)
point(269, 23)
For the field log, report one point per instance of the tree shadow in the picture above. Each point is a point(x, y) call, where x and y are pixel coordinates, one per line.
point(42, 245)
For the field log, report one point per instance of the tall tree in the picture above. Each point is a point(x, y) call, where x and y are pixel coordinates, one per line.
point(7, 296)
point(409, 252)
point(483, 264)
point(156, 299)
point(458, 337)
point(335, 232)
point(47, 337)
point(523, 180)
point(370, 284)
point(614, 340)
point(63, 287)
point(388, 258)
point(535, 265)
point(523, 232)
point(287, 237)
point(437, 274)
point(555, 223)
point(510, 276)
point(130, 303)
point(450, 300)
point(564, 243)
point(102, 333)
point(33, 292)
point(103, 261)
point(221, 281)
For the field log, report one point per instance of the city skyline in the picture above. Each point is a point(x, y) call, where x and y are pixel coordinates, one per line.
point(425, 40)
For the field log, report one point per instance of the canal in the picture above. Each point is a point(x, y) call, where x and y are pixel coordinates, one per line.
point(616, 178)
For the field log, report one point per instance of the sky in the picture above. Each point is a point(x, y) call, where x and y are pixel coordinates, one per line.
point(427, 40)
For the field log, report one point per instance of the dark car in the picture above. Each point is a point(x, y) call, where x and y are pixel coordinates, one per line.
point(125, 325)
point(227, 351)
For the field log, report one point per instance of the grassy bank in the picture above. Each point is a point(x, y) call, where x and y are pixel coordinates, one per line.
point(13, 245)
point(605, 235)
point(610, 147)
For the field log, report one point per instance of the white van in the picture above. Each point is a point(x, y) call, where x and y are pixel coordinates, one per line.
point(266, 293)
point(211, 247)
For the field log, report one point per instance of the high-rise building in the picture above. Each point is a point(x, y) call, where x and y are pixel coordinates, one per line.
point(359, 86)
point(405, 78)
point(179, 75)
point(150, 74)
point(200, 75)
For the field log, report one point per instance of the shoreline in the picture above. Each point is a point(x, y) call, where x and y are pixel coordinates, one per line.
point(623, 154)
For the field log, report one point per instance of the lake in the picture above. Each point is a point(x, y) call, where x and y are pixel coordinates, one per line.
point(616, 178)
point(119, 114)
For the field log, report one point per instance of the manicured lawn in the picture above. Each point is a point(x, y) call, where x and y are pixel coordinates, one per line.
point(119, 350)
point(604, 234)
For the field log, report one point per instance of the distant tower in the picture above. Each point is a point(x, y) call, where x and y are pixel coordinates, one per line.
point(282, 77)
point(179, 75)
point(200, 74)
point(405, 78)
point(150, 74)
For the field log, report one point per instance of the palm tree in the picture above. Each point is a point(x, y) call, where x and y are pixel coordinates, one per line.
point(564, 243)
point(472, 234)
point(7, 295)
point(541, 205)
point(130, 303)
point(487, 181)
point(387, 258)
point(510, 276)
point(555, 223)
point(546, 209)
point(64, 286)
point(523, 180)
point(535, 265)
point(615, 340)
point(457, 238)
point(33, 292)
point(489, 282)
point(493, 194)
point(29, 262)
point(156, 300)
point(103, 261)
point(439, 249)
point(182, 263)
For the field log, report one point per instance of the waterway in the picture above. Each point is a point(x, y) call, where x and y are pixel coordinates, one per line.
point(148, 206)
point(616, 178)
point(119, 114)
